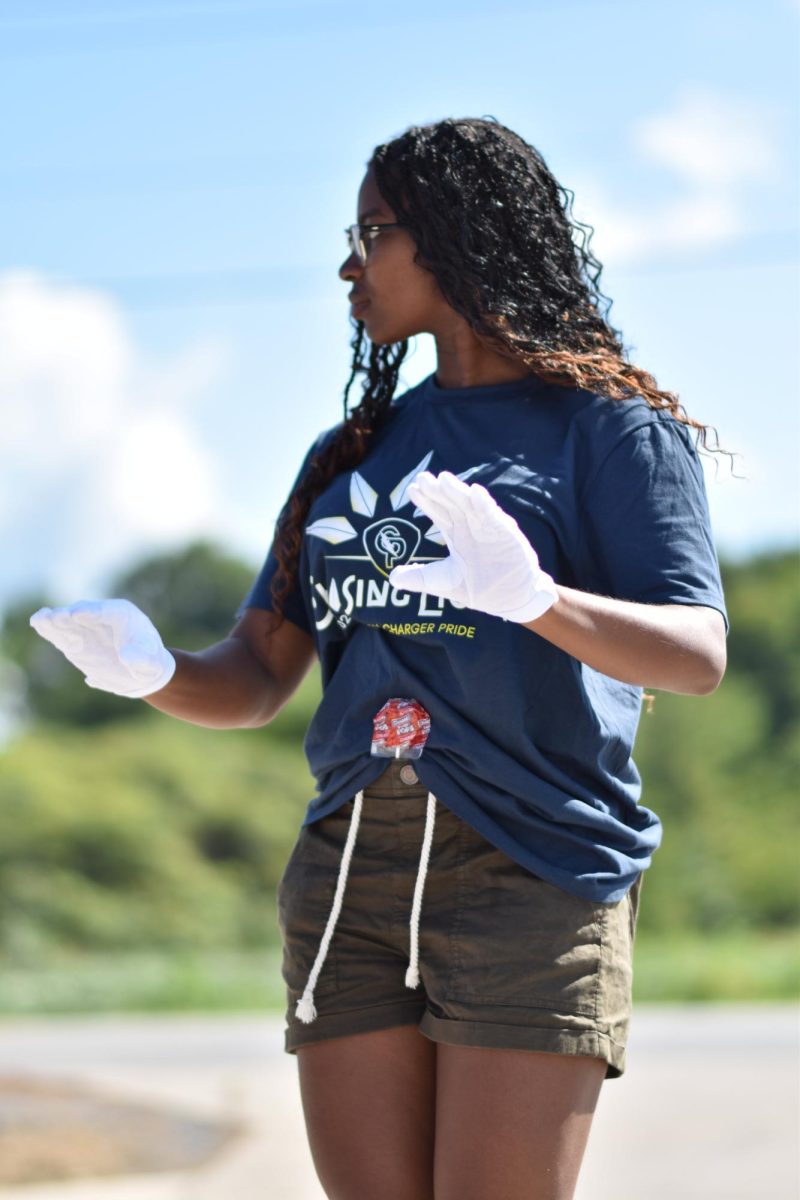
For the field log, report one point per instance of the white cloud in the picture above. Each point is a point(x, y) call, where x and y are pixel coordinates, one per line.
point(717, 148)
point(713, 141)
point(64, 361)
point(688, 223)
point(99, 458)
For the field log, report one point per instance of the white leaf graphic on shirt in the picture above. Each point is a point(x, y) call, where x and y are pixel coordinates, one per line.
point(363, 498)
point(364, 501)
point(332, 529)
point(435, 535)
point(398, 497)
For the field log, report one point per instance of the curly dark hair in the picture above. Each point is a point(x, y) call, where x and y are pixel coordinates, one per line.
point(497, 232)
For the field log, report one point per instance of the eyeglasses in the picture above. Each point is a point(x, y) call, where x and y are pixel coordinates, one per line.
point(361, 237)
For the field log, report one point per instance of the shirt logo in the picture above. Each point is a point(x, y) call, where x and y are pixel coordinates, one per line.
point(384, 544)
point(390, 543)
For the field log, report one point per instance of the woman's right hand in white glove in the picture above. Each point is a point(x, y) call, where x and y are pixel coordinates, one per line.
point(116, 646)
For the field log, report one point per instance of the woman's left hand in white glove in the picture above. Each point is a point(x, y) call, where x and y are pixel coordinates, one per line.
point(491, 567)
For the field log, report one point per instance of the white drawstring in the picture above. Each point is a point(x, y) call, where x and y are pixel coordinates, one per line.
point(305, 1011)
point(305, 1005)
point(412, 974)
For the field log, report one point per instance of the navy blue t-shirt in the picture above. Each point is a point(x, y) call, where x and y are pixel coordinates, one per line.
point(528, 745)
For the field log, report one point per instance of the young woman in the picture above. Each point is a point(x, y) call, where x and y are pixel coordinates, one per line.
point(515, 548)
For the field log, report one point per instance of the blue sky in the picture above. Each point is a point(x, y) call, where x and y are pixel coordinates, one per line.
point(175, 180)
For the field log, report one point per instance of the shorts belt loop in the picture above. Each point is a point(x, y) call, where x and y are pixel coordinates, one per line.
point(412, 974)
point(305, 1011)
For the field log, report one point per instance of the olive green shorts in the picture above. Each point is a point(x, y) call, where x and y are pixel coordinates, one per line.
point(506, 960)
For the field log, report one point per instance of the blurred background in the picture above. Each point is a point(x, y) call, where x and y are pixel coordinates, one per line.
point(174, 184)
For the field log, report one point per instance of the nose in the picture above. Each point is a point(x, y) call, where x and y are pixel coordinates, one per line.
point(351, 268)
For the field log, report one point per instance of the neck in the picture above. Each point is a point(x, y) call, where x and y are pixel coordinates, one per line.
point(464, 361)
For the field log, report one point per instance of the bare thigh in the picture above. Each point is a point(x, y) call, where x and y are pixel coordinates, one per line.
point(369, 1102)
point(512, 1124)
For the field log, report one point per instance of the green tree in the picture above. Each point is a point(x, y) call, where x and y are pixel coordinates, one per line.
point(721, 770)
point(150, 831)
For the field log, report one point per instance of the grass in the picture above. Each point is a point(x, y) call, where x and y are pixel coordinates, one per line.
point(742, 966)
point(155, 981)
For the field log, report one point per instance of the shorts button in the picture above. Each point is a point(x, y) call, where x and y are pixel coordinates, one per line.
point(408, 774)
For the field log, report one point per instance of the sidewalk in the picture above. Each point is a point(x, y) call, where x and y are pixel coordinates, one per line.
point(708, 1109)
point(227, 1068)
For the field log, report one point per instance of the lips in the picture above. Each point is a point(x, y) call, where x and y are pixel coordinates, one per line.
point(358, 304)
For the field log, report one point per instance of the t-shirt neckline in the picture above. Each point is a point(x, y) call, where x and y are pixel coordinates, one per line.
point(510, 389)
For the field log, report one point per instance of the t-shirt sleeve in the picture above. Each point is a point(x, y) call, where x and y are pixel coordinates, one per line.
point(259, 595)
point(646, 530)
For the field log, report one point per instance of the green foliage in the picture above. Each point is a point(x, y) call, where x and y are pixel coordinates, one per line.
point(721, 771)
point(744, 965)
point(191, 597)
point(752, 966)
point(145, 833)
point(764, 595)
point(180, 980)
point(132, 838)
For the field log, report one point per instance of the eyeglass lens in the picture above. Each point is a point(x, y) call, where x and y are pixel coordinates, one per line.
point(356, 243)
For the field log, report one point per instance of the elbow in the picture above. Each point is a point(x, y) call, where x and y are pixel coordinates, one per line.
point(264, 715)
point(711, 654)
point(713, 673)
point(267, 710)
point(708, 686)
point(700, 679)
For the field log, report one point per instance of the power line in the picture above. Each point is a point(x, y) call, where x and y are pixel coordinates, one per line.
point(168, 26)
point(117, 14)
point(206, 288)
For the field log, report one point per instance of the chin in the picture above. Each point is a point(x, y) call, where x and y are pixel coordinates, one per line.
point(384, 335)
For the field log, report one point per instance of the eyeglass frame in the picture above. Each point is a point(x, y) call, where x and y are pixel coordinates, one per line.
point(355, 240)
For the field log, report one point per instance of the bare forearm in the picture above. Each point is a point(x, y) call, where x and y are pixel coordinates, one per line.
point(671, 647)
point(223, 687)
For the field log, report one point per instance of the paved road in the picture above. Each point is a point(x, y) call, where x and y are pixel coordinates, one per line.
point(708, 1108)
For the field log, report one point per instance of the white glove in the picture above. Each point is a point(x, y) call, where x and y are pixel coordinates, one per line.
point(492, 567)
point(112, 641)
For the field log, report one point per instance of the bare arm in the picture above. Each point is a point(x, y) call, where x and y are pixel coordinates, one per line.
point(241, 682)
point(672, 647)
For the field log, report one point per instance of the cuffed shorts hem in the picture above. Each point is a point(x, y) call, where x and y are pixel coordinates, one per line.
point(344, 1024)
point(490, 1036)
point(483, 1034)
